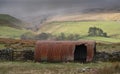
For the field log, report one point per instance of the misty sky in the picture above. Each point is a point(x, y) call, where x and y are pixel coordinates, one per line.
point(29, 8)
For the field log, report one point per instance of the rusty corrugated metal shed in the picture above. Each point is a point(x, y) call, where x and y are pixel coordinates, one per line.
point(57, 51)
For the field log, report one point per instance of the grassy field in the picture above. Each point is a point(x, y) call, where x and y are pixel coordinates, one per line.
point(11, 27)
point(111, 27)
point(103, 39)
point(48, 68)
point(9, 32)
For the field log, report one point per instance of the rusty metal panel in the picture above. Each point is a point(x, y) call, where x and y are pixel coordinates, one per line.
point(44, 52)
point(59, 52)
point(90, 52)
point(37, 54)
point(55, 51)
point(63, 53)
point(70, 52)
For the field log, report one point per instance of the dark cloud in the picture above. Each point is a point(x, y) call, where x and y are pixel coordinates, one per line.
point(26, 8)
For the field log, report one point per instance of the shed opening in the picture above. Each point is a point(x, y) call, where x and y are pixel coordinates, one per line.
point(80, 53)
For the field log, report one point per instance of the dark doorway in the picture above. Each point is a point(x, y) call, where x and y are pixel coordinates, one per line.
point(80, 53)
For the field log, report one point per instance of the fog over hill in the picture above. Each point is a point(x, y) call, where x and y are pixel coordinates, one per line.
point(37, 11)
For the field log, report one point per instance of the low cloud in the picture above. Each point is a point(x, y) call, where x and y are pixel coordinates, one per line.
point(31, 8)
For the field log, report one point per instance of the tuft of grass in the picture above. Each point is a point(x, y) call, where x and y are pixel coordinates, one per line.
point(109, 69)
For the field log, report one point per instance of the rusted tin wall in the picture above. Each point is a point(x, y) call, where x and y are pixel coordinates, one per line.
point(57, 51)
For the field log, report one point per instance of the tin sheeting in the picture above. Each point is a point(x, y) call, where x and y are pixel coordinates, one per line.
point(56, 51)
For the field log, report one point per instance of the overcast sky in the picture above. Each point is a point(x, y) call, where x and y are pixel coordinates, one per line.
point(26, 8)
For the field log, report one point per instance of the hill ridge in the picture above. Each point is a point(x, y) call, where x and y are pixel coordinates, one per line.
point(10, 21)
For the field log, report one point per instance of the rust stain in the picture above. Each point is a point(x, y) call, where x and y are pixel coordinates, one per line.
point(58, 51)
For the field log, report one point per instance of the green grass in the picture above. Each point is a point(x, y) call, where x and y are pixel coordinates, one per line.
point(47, 68)
point(11, 27)
point(2, 46)
point(111, 27)
point(101, 39)
point(8, 32)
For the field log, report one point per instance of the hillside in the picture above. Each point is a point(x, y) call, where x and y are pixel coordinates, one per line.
point(88, 17)
point(10, 21)
point(11, 27)
point(92, 14)
point(81, 27)
point(9, 32)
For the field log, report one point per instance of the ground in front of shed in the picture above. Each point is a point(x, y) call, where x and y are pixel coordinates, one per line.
point(59, 68)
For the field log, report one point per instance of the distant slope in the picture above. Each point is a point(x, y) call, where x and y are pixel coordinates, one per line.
point(88, 17)
point(10, 21)
point(11, 27)
point(110, 13)
point(9, 32)
point(103, 39)
point(81, 27)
